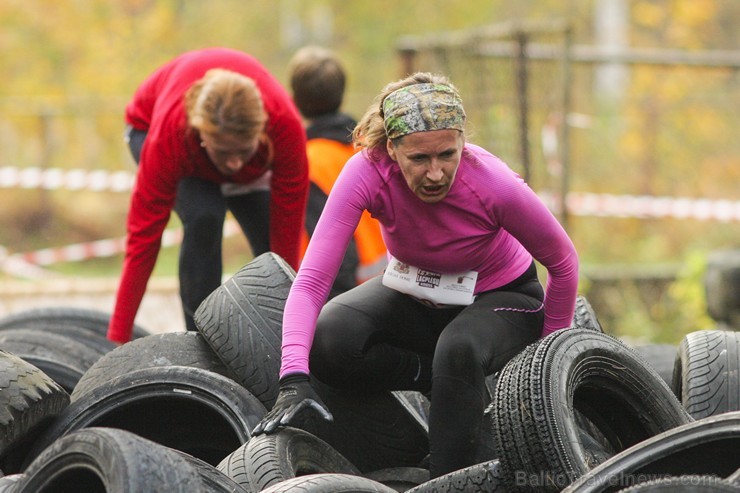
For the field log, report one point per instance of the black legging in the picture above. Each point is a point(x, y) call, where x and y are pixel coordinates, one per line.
point(375, 338)
point(201, 207)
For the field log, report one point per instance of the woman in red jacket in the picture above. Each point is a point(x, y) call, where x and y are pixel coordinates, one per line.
point(211, 130)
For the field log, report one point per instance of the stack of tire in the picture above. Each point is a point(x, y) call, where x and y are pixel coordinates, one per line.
point(576, 411)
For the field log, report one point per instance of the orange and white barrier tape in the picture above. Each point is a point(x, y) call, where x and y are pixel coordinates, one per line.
point(578, 203)
point(643, 207)
point(637, 206)
point(16, 266)
point(63, 179)
point(30, 264)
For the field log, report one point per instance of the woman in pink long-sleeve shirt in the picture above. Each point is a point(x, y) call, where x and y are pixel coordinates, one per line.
point(460, 296)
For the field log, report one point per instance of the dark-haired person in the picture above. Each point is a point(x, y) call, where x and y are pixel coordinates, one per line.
point(318, 80)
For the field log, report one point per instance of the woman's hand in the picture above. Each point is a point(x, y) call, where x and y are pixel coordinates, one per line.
point(296, 395)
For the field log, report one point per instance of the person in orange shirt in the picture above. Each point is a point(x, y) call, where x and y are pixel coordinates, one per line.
point(317, 80)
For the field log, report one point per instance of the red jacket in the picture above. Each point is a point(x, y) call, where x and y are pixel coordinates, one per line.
point(172, 151)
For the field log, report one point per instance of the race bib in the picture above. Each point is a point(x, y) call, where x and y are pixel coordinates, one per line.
point(431, 288)
point(261, 184)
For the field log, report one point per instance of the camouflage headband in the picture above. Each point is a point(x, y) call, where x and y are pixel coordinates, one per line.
point(421, 108)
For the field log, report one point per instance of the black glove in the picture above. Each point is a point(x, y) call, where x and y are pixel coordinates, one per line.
point(296, 394)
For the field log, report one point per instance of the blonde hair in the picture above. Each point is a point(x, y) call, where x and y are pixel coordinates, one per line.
point(370, 131)
point(225, 102)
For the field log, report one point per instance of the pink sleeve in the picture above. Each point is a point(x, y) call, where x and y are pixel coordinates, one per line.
point(528, 219)
point(349, 197)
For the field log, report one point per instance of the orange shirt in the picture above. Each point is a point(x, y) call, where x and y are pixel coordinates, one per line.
point(326, 159)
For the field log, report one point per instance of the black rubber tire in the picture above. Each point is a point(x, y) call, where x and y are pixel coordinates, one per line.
point(266, 460)
point(214, 480)
point(95, 342)
point(62, 373)
point(705, 447)
point(58, 317)
point(156, 350)
point(486, 448)
point(584, 316)
point(734, 478)
point(721, 284)
point(65, 359)
point(29, 402)
point(242, 321)
point(190, 409)
point(416, 403)
point(329, 483)
point(400, 478)
point(706, 375)
point(683, 484)
point(372, 430)
point(100, 460)
point(485, 477)
point(661, 357)
point(574, 371)
point(8, 483)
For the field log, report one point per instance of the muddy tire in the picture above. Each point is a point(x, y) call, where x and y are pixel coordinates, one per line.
point(706, 376)
point(549, 390)
point(707, 447)
point(400, 478)
point(189, 409)
point(58, 318)
point(100, 460)
point(63, 358)
point(721, 285)
point(29, 401)
point(242, 321)
point(661, 357)
point(584, 316)
point(481, 478)
point(372, 430)
point(8, 483)
point(683, 484)
point(157, 350)
point(329, 483)
point(266, 460)
point(734, 478)
point(214, 481)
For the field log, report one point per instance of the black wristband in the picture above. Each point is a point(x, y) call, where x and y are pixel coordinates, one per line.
point(294, 378)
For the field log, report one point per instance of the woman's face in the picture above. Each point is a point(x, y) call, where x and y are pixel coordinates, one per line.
point(429, 161)
point(228, 152)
